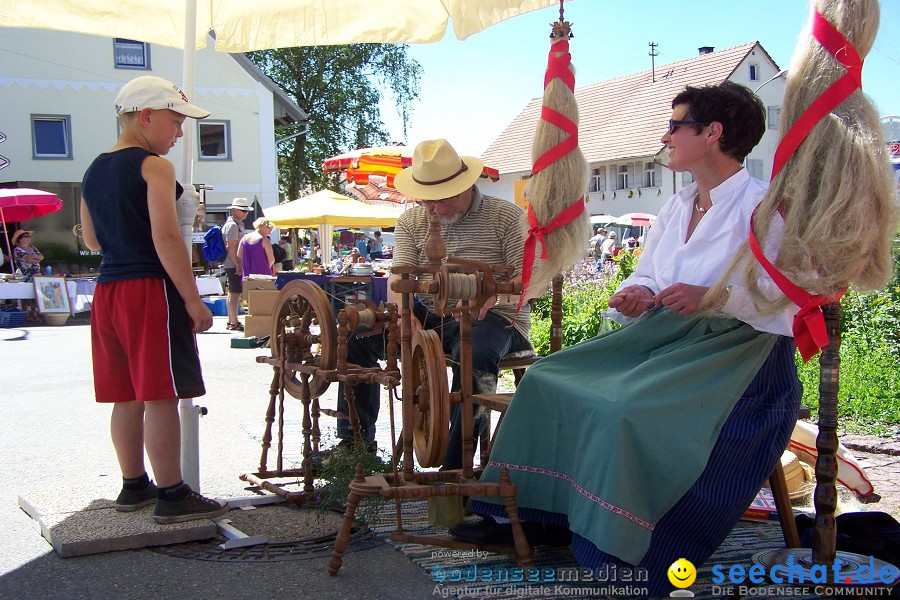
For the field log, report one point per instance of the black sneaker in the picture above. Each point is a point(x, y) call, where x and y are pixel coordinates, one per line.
point(193, 506)
point(132, 500)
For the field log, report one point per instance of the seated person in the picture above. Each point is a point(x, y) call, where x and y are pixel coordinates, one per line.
point(654, 438)
point(475, 227)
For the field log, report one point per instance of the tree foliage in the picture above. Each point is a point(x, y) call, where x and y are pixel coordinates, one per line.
point(340, 88)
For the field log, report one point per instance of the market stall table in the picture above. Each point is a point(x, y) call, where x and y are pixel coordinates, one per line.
point(81, 291)
point(339, 287)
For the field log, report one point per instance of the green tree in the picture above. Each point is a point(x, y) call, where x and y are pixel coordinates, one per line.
point(340, 88)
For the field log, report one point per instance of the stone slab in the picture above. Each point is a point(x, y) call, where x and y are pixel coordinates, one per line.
point(93, 526)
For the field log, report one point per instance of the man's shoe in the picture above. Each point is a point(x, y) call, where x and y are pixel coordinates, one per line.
point(234, 326)
point(487, 531)
point(193, 506)
point(132, 500)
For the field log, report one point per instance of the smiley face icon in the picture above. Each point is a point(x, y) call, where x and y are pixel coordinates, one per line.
point(682, 573)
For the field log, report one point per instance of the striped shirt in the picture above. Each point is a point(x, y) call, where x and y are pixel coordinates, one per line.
point(493, 231)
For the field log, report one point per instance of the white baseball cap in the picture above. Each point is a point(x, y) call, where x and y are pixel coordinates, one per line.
point(156, 93)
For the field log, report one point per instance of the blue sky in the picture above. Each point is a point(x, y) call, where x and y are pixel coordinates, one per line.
point(472, 89)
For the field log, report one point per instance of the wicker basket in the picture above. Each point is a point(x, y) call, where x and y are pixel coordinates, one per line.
point(55, 319)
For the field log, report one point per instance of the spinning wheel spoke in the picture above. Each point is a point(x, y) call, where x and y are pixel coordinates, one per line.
point(303, 319)
point(431, 420)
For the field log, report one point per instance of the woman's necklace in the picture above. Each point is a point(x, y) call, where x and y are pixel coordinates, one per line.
point(697, 204)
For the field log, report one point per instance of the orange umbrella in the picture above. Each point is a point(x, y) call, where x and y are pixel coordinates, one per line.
point(376, 167)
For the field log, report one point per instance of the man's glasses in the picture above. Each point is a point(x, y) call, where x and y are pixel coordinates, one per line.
point(434, 203)
point(674, 124)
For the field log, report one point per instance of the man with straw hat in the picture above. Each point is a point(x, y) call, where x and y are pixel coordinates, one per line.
point(473, 226)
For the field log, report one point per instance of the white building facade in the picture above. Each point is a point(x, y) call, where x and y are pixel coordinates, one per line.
point(57, 92)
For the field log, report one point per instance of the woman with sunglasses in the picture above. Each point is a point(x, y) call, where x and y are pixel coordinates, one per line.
point(655, 437)
point(27, 257)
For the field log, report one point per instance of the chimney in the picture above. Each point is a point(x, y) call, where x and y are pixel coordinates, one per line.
point(705, 50)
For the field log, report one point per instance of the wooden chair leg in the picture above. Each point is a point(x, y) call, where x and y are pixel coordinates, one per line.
point(778, 484)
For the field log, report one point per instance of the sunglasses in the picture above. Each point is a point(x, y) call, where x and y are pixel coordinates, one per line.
point(674, 124)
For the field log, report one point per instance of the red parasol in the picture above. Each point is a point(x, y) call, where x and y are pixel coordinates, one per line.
point(24, 204)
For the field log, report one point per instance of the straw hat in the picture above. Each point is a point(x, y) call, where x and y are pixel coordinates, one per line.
point(438, 172)
point(19, 233)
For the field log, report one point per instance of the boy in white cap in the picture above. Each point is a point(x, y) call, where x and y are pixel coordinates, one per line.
point(146, 307)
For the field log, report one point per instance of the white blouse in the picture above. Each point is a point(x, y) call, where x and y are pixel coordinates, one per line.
point(667, 259)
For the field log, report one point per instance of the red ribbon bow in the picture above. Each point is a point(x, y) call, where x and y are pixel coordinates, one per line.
point(809, 322)
point(536, 233)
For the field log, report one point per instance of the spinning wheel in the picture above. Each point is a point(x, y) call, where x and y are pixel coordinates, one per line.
point(303, 326)
point(431, 400)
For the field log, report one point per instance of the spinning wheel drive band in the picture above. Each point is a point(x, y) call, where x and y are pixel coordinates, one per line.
point(431, 399)
point(303, 326)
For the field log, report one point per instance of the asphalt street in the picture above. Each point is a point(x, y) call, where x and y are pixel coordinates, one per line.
point(54, 436)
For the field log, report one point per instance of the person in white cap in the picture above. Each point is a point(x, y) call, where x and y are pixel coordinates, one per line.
point(146, 308)
point(476, 227)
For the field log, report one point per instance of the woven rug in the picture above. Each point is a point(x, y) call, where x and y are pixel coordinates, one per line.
point(479, 574)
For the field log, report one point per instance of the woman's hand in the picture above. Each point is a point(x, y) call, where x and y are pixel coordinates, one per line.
point(632, 300)
point(682, 298)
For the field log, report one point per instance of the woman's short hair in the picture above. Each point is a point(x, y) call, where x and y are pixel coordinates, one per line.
point(262, 221)
point(740, 111)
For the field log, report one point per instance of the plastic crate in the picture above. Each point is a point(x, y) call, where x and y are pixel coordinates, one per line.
point(12, 318)
point(216, 306)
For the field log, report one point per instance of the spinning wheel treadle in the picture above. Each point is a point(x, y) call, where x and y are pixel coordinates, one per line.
point(431, 402)
point(303, 326)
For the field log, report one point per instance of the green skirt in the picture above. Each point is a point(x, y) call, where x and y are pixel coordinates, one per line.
point(598, 431)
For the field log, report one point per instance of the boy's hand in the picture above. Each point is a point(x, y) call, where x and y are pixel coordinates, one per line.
point(200, 316)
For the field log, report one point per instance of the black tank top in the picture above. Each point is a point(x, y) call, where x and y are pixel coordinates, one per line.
point(116, 196)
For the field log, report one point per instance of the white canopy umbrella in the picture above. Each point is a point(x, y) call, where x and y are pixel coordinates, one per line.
point(243, 26)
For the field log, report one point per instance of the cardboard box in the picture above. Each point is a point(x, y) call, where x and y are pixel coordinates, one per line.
point(259, 326)
point(262, 302)
point(257, 282)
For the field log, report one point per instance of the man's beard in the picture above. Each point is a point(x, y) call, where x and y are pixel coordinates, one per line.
point(449, 220)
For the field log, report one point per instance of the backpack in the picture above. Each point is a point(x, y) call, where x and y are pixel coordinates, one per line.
point(213, 249)
point(597, 245)
point(278, 253)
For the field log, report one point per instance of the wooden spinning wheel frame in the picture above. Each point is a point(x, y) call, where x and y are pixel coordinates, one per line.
point(303, 324)
point(431, 399)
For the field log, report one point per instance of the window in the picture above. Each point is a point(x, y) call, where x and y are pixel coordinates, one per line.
point(598, 180)
point(652, 175)
point(686, 179)
point(755, 168)
point(774, 115)
point(215, 140)
point(51, 136)
point(131, 54)
point(754, 71)
point(623, 177)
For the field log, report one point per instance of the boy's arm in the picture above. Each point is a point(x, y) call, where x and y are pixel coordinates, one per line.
point(170, 247)
point(87, 228)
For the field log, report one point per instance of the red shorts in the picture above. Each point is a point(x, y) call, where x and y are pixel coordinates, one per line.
point(142, 344)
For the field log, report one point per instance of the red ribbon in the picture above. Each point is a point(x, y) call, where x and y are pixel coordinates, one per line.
point(809, 322)
point(536, 234)
point(558, 63)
